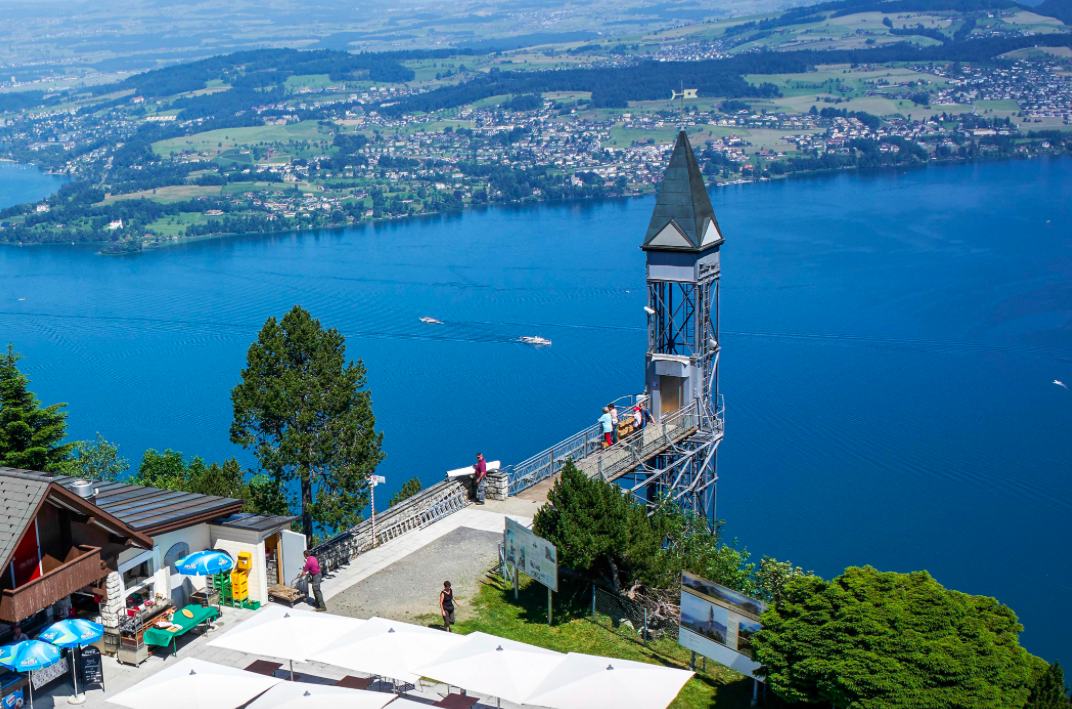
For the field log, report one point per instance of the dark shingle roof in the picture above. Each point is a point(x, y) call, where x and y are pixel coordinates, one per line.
point(682, 205)
point(20, 494)
point(148, 510)
point(254, 522)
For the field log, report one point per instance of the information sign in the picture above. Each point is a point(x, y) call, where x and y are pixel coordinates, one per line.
point(719, 623)
point(530, 554)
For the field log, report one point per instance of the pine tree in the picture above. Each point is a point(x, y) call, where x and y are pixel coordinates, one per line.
point(409, 488)
point(30, 436)
point(306, 414)
point(1050, 691)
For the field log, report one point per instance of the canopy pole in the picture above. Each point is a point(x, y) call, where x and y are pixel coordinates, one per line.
point(77, 698)
point(29, 685)
point(292, 670)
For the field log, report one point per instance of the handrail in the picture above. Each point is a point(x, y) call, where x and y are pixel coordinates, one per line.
point(586, 448)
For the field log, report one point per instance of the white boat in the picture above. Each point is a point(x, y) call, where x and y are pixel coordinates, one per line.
point(431, 321)
point(538, 341)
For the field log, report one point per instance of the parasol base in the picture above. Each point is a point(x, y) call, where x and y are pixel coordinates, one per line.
point(77, 699)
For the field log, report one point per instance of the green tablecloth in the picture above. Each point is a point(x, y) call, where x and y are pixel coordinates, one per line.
point(163, 638)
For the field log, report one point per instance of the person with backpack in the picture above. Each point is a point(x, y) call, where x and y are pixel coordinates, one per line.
point(446, 605)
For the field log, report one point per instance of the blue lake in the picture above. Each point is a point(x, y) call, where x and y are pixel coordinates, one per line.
point(890, 343)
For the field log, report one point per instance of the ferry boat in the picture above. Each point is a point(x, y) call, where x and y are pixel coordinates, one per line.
point(431, 321)
point(538, 341)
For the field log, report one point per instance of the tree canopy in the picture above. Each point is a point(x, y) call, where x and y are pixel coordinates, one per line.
point(885, 640)
point(31, 437)
point(306, 414)
point(98, 460)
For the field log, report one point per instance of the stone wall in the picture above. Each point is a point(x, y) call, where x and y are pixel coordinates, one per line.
point(497, 486)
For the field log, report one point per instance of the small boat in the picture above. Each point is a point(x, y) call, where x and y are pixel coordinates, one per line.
point(431, 321)
point(538, 341)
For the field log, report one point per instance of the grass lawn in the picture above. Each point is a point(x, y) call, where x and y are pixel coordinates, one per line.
point(175, 225)
point(496, 612)
point(235, 137)
point(171, 193)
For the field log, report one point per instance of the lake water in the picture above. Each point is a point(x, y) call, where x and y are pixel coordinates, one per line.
point(890, 343)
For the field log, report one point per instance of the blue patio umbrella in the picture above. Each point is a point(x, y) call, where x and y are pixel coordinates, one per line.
point(27, 656)
point(73, 633)
point(205, 563)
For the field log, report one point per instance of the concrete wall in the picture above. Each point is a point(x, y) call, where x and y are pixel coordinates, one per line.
point(197, 538)
point(235, 541)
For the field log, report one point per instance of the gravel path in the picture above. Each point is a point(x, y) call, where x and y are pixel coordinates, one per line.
point(409, 589)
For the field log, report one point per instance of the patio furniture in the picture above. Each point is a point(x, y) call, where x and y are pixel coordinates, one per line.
point(198, 614)
point(456, 701)
point(263, 667)
point(351, 682)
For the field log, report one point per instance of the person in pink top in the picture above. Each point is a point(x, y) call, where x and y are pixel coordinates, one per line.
point(311, 571)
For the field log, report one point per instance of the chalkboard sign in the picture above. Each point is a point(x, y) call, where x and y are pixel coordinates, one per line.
point(92, 670)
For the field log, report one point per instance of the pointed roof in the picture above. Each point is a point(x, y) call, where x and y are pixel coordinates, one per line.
point(683, 219)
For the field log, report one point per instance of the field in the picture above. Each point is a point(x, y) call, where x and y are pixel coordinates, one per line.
point(173, 193)
point(173, 226)
point(219, 141)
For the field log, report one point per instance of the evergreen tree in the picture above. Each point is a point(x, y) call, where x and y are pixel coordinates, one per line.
point(409, 488)
point(305, 412)
point(165, 470)
point(30, 436)
point(599, 532)
point(891, 640)
point(98, 460)
point(1050, 691)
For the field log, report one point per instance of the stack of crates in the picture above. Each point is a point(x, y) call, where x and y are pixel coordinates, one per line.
point(240, 577)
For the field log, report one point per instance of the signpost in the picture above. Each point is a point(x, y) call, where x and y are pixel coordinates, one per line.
point(534, 555)
point(373, 481)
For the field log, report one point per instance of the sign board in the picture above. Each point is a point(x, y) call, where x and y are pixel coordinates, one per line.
point(92, 671)
point(718, 622)
point(377, 480)
point(530, 554)
point(43, 676)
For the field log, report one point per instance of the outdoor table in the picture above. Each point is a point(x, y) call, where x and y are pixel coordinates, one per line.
point(263, 667)
point(351, 682)
point(456, 701)
point(163, 638)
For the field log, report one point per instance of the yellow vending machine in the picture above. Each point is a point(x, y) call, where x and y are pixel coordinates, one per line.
point(240, 578)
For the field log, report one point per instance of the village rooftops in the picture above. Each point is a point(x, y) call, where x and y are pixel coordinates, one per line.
point(147, 510)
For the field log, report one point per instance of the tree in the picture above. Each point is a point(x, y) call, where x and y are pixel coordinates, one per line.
point(599, 532)
point(305, 412)
point(409, 488)
point(1049, 690)
point(98, 460)
point(869, 639)
point(30, 436)
point(165, 470)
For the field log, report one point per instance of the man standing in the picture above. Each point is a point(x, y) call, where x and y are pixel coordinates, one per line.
point(311, 571)
point(480, 474)
point(613, 411)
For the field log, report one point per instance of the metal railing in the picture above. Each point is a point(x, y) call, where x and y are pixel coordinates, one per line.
point(549, 462)
point(420, 510)
point(587, 451)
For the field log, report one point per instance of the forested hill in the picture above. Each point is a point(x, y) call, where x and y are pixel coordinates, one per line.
point(615, 86)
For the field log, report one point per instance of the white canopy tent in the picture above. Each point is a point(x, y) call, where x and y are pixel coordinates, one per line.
point(287, 633)
point(502, 668)
point(300, 695)
point(388, 648)
point(195, 684)
point(585, 681)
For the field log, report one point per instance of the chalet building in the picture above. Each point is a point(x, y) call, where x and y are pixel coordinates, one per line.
point(105, 549)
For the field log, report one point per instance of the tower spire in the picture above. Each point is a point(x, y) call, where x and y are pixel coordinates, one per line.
point(683, 218)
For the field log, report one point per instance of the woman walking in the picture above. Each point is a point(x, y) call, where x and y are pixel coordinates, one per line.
point(446, 605)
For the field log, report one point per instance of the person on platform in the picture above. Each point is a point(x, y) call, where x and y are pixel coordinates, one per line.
point(311, 571)
point(638, 418)
point(480, 476)
point(446, 605)
point(613, 411)
point(605, 421)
